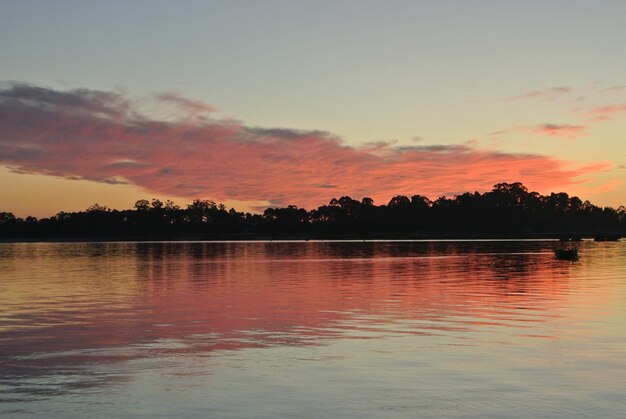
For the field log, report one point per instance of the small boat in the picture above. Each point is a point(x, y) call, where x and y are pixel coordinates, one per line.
point(566, 254)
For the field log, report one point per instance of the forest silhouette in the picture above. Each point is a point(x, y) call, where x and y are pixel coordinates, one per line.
point(508, 210)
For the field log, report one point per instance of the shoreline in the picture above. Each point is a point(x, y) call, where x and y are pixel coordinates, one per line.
point(548, 236)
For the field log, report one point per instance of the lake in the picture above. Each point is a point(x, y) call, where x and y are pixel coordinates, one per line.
point(312, 329)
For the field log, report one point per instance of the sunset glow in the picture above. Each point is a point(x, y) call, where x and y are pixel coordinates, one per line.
point(313, 209)
point(196, 120)
point(99, 136)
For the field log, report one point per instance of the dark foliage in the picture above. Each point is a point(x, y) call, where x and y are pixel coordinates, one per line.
point(507, 210)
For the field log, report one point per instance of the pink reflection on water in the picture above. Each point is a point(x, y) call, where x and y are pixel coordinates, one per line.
point(69, 307)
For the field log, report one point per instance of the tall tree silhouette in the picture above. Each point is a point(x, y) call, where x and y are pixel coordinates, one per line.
point(509, 209)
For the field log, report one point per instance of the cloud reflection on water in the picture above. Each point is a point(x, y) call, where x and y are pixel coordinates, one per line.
point(76, 316)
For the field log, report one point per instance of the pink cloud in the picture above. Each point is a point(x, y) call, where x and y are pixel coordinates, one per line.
point(563, 131)
point(607, 113)
point(560, 131)
point(88, 135)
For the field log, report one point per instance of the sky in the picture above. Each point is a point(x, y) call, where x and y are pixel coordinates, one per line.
point(262, 103)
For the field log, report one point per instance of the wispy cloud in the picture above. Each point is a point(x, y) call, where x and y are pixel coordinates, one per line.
point(548, 93)
point(604, 187)
point(562, 131)
point(607, 113)
point(617, 88)
point(567, 96)
point(192, 107)
point(565, 131)
point(101, 136)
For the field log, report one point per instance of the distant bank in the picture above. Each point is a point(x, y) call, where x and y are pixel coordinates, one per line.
point(509, 211)
point(381, 237)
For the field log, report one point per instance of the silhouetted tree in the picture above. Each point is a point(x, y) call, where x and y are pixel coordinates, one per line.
point(508, 209)
point(142, 205)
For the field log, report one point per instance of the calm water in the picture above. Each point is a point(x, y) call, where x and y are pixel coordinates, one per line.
point(351, 329)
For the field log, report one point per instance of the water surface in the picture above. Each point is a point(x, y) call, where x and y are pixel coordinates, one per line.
point(312, 329)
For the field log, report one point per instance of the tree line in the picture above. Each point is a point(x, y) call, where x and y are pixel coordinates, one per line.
point(509, 209)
